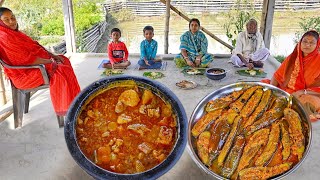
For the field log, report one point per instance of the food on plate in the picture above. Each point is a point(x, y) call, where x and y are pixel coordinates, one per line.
point(193, 71)
point(184, 84)
point(153, 75)
point(212, 71)
point(252, 73)
point(249, 133)
point(111, 72)
point(126, 129)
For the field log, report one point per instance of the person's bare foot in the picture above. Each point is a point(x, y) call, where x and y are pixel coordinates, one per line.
point(157, 60)
point(107, 65)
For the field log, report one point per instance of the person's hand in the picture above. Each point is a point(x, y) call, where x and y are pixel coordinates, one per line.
point(249, 65)
point(189, 62)
point(197, 61)
point(57, 59)
point(146, 62)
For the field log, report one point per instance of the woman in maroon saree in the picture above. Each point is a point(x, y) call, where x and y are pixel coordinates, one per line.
point(16, 49)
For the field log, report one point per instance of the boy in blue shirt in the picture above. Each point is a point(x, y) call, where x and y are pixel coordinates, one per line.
point(148, 50)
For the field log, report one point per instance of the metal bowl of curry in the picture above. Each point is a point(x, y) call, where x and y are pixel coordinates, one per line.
point(126, 127)
point(249, 130)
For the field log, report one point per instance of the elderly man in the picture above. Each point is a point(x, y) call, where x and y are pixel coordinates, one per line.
point(250, 50)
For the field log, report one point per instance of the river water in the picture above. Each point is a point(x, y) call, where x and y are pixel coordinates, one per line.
point(282, 42)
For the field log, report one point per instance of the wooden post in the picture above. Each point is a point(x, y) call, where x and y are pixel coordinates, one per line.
point(202, 28)
point(3, 99)
point(267, 20)
point(166, 30)
point(69, 26)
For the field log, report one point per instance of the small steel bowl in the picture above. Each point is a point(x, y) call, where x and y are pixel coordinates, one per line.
point(215, 76)
point(90, 92)
point(200, 110)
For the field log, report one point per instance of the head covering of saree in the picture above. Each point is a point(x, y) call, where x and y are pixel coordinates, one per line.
point(300, 72)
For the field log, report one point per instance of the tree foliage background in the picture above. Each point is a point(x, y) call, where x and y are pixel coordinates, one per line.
point(45, 17)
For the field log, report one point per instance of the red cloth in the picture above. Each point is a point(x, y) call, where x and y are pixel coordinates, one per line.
point(117, 52)
point(298, 72)
point(16, 48)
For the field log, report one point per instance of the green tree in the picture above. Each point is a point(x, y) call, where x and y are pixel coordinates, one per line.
point(307, 24)
point(236, 18)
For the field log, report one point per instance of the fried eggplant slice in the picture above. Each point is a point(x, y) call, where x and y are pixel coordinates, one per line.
point(264, 172)
point(275, 113)
point(295, 132)
point(271, 146)
point(233, 158)
point(204, 121)
point(252, 103)
point(226, 148)
point(258, 139)
point(223, 102)
point(285, 140)
point(239, 103)
point(262, 107)
point(219, 133)
point(203, 146)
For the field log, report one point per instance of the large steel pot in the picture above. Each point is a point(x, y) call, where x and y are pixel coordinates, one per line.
point(199, 111)
point(100, 85)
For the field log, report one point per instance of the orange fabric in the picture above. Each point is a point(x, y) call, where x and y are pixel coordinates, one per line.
point(16, 48)
point(298, 72)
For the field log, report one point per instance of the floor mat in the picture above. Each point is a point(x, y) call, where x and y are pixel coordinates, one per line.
point(162, 68)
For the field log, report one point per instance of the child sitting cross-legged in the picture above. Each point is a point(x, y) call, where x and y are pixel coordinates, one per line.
point(148, 50)
point(117, 52)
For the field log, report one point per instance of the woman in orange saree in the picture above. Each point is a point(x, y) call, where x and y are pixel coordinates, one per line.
point(299, 74)
point(16, 48)
point(300, 70)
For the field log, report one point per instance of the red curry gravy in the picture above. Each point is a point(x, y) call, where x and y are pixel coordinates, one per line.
point(126, 130)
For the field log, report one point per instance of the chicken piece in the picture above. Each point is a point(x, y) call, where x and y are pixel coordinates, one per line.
point(129, 98)
point(123, 118)
point(166, 110)
point(165, 135)
point(143, 109)
point(139, 166)
point(154, 112)
point(139, 128)
point(145, 147)
point(147, 97)
point(120, 107)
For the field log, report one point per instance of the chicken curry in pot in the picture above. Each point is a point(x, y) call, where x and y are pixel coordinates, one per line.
point(126, 129)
